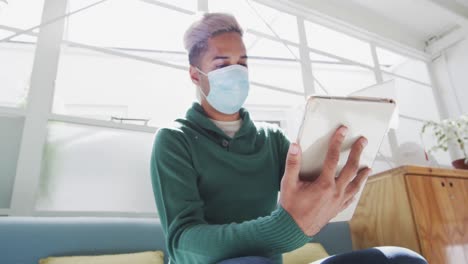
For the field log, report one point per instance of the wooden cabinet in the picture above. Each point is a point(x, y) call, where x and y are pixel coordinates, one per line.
point(423, 209)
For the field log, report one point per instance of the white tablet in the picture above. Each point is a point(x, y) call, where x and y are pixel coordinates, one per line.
point(364, 116)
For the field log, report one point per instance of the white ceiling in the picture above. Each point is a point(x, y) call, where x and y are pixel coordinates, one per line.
point(463, 2)
point(410, 22)
point(420, 16)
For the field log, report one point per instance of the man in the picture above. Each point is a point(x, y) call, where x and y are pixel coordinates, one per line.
point(216, 173)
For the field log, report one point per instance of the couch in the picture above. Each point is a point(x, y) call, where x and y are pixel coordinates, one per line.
point(24, 240)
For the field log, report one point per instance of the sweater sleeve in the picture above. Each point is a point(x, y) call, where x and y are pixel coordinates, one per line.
point(189, 238)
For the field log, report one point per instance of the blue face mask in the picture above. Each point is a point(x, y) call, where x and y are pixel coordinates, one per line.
point(229, 88)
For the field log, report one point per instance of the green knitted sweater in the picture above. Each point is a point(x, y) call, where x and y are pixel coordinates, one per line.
point(217, 196)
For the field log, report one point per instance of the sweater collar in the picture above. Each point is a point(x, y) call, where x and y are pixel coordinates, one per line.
point(198, 115)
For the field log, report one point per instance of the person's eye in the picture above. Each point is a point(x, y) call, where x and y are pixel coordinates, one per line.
point(221, 66)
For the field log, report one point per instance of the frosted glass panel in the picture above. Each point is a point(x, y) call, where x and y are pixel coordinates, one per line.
point(16, 60)
point(261, 47)
point(131, 24)
point(341, 79)
point(87, 168)
point(250, 15)
point(273, 63)
point(415, 100)
point(285, 75)
point(11, 130)
point(21, 14)
point(337, 43)
point(17, 54)
point(100, 86)
point(263, 96)
point(403, 66)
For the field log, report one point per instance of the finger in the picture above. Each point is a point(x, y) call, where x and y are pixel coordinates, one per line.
point(351, 168)
point(347, 203)
point(333, 154)
point(355, 185)
point(293, 164)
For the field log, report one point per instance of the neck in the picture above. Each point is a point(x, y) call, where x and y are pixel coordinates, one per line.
point(216, 115)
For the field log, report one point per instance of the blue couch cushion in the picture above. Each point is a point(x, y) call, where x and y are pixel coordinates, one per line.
point(24, 240)
point(335, 238)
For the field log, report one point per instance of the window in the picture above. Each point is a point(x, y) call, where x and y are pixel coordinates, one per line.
point(134, 25)
point(252, 17)
point(88, 168)
point(417, 103)
point(111, 67)
point(17, 53)
point(400, 65)
point(336, 43)
point(118, 78)
point(101, 86)
point(416, 100)
point(268, 56)
point(16, 61)
point(11, 129)
point(342, 79)
point(21, 14)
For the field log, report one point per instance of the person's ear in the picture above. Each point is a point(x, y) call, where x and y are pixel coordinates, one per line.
point(194, 75)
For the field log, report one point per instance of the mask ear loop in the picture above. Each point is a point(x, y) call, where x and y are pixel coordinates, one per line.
point(200, 71)
point(199, 86)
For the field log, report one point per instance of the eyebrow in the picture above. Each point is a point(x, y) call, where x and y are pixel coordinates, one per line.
point(227, 57)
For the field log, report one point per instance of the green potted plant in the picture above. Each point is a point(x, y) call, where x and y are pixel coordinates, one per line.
point(450, 131)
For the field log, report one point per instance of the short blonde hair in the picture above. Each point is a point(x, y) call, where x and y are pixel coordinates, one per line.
point(211, 24)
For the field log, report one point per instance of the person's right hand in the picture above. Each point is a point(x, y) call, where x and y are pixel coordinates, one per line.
point(313, 204)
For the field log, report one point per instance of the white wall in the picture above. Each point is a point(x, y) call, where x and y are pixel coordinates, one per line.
point(450, 72)
point(457, 66)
